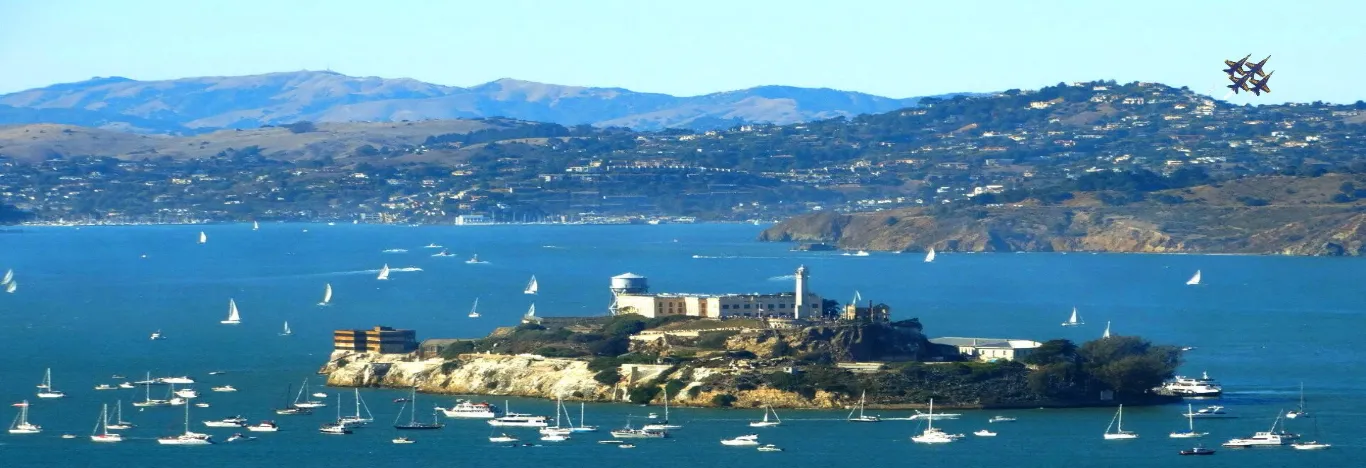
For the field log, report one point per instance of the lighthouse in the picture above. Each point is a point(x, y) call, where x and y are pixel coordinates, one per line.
point(800, 300)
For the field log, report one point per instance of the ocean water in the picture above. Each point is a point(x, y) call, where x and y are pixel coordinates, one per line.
point(88, 299)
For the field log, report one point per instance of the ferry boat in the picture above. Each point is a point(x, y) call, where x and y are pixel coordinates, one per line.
point(470, 410)
point(1203, 387)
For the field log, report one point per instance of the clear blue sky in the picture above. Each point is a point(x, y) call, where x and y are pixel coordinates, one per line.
point(895, 48)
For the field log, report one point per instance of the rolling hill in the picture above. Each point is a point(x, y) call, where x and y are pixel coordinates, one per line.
point(194, 105)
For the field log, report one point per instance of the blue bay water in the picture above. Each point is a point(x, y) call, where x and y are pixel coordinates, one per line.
point(88, 300)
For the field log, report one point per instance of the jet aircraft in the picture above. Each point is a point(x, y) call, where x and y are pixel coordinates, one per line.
point(1235, 67)
point(1239, 83)
point(1259, 87)
point(1256, 68)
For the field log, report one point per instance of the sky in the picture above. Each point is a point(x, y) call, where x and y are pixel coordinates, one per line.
point(895, 48)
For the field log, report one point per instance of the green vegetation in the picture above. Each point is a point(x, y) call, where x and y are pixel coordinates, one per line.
point(1127, 365)
point(723, 400)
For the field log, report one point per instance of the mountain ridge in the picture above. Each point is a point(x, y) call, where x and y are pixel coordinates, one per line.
point(201, 104)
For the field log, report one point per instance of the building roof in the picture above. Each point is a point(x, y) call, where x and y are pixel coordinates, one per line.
point(628, 275)
point(1005, 343)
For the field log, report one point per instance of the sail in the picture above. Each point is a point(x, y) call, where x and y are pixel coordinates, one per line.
point(202, 237)
point(327, 294)
point(287, 332)
point(474, 309)
point(531, 312)
point(233, 316)
point(9, 277)
point(255, 225)
point(929, 257)
point(12, 287)
point(1074, 319)
point(1107, 330)
point(1194, 279)
point(384, 272)
point(531, 287)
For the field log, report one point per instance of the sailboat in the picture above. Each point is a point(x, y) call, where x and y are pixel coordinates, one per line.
point(412, 423)
point(1119, 433)
point(290, 407)
point(21, 424)
point(1190, 431)
point(9, 277)
point(474, 309)
point(1298, 413)
point(303, 389)
point(862, 417)
point(932, 435)
point(327, 295)
point(383, 273)
point(45, 389)
point(203, 239)
point(556, 432)
point(233, 317)
point(188, 438)
point(119, 423)
point(1107, 330)
point(286, 332)
point(12, 287)
point(255, 226)
point(581, 427)
point(1074, 320)
point(1195, 280)
point(929, 257)
point(530, 315)
point(765, 422)
point(101, 432)
point(338, 427)
point(357, 419)
point(148, 401)
point(532, 286)
point(663, 425)
point(1313, 444)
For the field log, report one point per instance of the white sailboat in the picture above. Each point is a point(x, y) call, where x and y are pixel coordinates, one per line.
point(1300, 412)
point(862, 417)
point(147, 399)
point(357, 419)
point(581, 427)
point(1195, 280)
point(21, 424)
point(12, 287)
point(45, 389)
point(1073, 321)
point(188, 438)
point(101, 432)
point(1119, 432)
point(932, 435)
point(203, 238)
point(286, 332)
point(531, 287)
point(119, 424)
point(530, 315)
point(9, 277)
point(383, 273)
point(765, 422)
point(474, 309)
point(1189, 433)
point(663, 425)
point(327, 295)
point(929, 257)
point(255, 226)
point(233, 317)
point(1107, 330)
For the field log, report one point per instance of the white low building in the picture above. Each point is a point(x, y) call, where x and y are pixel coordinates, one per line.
point(632, 296)
point(989, 349)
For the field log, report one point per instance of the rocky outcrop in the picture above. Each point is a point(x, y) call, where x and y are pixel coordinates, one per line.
point(482, 374)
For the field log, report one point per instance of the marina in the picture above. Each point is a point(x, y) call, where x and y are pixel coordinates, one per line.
point(1253, 387)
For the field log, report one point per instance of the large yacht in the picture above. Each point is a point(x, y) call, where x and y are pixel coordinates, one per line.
point(519, 420)
point(470, 410)
point(1203, 387)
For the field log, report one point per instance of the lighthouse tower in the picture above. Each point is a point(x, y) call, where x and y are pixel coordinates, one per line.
point(800, 302)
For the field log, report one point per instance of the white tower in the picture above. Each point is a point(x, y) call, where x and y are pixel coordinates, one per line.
point(801, 293)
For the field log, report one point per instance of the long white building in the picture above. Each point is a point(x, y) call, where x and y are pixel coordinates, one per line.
point(632, 296)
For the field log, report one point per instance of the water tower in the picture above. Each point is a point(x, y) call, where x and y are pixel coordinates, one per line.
point(627, 283)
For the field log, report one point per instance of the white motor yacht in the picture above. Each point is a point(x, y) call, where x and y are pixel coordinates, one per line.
point(519, 420)
point(264, 426)
point(1209, 412)
point(1268, 438)
point(769, 448)
point(502, 438)
point(235, 421)
point(1189, 387)
point(984, 433)
point(224, 388)
point(998, 419)
point(744, 440)
point(470, 410)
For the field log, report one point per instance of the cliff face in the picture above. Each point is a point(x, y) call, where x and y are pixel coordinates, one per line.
point(1285, 230)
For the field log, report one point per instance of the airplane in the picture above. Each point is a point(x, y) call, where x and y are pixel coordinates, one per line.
point(1259, 87)
point(1235, 67)
point(1240, 83)
point(1256, 68)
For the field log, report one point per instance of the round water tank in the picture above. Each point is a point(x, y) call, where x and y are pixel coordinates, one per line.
point(630, 283)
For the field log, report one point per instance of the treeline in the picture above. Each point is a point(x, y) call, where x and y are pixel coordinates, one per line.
point(1117, 188)
point(488, 135)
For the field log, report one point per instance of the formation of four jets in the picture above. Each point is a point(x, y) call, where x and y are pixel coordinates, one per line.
point(1243, 72)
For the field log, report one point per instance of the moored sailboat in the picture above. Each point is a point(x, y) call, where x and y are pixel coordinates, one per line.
point(187, 438)
point(1119, 433)
point(663, 425)
point(1190, 431)
point(45, 389)
point(412, 423)
point(1299, 412)
point(932, 435)
point(119, 424)
point(357, 419)
point(21, 424)
point(101, 432)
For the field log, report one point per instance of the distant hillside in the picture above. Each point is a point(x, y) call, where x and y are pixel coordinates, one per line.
point(208, 103)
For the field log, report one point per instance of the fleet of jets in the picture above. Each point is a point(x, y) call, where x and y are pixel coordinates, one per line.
point(1242, 73)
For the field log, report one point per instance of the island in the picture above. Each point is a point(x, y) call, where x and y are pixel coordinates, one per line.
point(790, 354)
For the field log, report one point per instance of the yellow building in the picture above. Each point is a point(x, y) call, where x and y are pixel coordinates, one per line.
point(384, 340)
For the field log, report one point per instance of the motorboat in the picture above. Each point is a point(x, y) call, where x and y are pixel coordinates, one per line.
point(156, 335)
point(175, 380)
point(984, 433)
point(443, 253)
point(470, 410)
point(402, 440)
point(264, 426)
point(511, 419)
point(238, 436)
point(235, 421)
point(626, 446)
point(127, 385)
point(335, 429)
point(1268, 438)
point(1198, 451)
point(1311, 445)
point(104, 387)
point(224, 388)
point(217, 372)
point(1119, 433)
point(201, 405)
point(630, 433)
point(744, 440)
point(1210, 412)
point(475, 260)
point(1189, 387)
point(71, 436)
point(999, 419)
point(319, 395)
point(769, 448)
point(502, 438)
point(428, 246)
point(187, 393)
point(555, 437)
